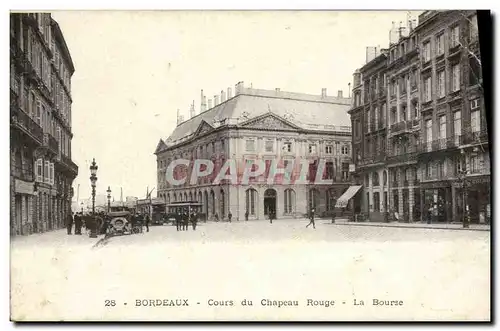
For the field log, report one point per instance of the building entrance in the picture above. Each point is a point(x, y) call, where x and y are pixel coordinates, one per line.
point(270, 202)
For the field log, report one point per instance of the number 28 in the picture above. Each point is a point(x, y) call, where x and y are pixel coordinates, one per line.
point(109, 303)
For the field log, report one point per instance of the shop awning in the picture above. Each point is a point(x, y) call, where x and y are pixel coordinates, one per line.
point(344, 199)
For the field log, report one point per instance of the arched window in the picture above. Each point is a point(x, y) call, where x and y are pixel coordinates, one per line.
point(190, 196)
point(185, 196)
point(168, 198)
point(313, 198)
point(385, 177)
point(175, 197)
point(251, 199)
point(375, 179)
point(289, 201)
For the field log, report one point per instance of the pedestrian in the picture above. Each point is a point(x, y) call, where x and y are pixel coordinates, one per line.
point(333, 216)
point(311, 217)
point(185, 220)
point(194, 220)
point(78, 224)
point(246, 215)
point(271, 216)
point(178, 220)
point(146, 222)
point(69, 222)
point(229, 216)
point(216, 217)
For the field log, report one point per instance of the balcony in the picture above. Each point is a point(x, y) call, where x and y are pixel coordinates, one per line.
point(22, 121)
point(441, 144)
point(403, 157)
point(478, 137)
point(50, 143)
point(69, 164)
point(404, 126)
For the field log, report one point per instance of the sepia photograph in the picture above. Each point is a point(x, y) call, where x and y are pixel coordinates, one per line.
point(250, 166)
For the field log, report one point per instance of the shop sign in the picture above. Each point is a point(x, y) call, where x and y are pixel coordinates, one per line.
point(23, 187)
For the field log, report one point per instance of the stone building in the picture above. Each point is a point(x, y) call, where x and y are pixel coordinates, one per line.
point(263, 125)
point(42, 171)
point(437, 155)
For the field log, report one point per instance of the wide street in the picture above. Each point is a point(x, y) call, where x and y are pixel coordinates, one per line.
point(438, 274)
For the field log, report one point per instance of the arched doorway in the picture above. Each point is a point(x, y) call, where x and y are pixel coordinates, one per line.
point(205, 203)
point(212, 202)
point(199, 197)
point(222, 205)
point(313, 199)
point(270, 201)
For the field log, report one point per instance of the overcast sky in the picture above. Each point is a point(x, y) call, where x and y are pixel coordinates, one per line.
point(135, 69)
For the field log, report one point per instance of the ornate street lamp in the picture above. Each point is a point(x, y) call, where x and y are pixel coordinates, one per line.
point(93, 181)
point(109, 198)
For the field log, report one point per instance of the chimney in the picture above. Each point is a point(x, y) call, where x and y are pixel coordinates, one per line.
point(203, 103)
point(179, 121)
point(323, 92)
point(216, 100)
point(339, 94)
point(192, 113)
point(229, 93)
point(222, 96)
point(209, 103)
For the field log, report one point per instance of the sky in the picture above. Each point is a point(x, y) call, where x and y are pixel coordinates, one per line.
point(134, 69)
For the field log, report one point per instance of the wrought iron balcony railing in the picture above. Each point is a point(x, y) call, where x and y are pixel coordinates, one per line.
point(441, 144)
point(21, 120)
point(475, 137)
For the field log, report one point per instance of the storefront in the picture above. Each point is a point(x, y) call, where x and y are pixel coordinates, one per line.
point(479, 199)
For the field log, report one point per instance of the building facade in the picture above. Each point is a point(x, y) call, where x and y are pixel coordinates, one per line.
point(42, 171)
point(437, 155)
point(262, 125)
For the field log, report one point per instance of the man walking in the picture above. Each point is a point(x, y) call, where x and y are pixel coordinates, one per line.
point(229, 216)
point(146, 222)
point(271, 216)
point(69, 222)
point(311, 217)
point(194, 220)
point(246, 215)
point(78, 224)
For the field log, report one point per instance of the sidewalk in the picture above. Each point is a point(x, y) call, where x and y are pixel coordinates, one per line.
point(416, 225)
point(56, 239)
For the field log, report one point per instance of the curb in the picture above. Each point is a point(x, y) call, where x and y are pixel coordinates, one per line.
point(409, 226)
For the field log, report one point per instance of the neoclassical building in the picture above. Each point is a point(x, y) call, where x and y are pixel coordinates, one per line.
point(262, 125)
point(42, 171)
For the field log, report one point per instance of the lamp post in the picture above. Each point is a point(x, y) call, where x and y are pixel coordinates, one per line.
point(81, 205)
point(109, 198)
point(93, 181)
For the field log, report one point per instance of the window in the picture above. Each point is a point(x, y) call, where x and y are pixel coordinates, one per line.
point(474, 164)
point(39, 170)
point(428, 132)
point(383, 115)
point(474, 71)
point(368, 120)
point(428, 170)
point(345, 171)
point(442, 127)
point(312, 148)
point(440, 44)
point(375, 179)
point(51, 173)
point(46, 174)
point(250, 145)
point(269, 146)
point(440, 84)
point(222, 146)
point(457, 125)
point(251, 198)
point(454, 36)
point(473, 30)
point(413, 80)
point(329, 149)
point(402, 84)
point(38, 113)
point(287, 147)
point(329, 170)
point(289, 201)
point(427, 89)
point(455, 77)
point(427, 51)
point(475, 120)
point(345, 150)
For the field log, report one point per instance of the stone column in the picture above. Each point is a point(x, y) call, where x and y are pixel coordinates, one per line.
point(411, 202)
point(454, 202)
point(400, 203)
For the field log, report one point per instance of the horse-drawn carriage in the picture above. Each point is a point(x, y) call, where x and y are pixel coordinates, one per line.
point(121, 223)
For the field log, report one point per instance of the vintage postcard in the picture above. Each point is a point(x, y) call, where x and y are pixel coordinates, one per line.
point(250, 166)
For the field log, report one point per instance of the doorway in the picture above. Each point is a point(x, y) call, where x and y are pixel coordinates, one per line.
point(270, 202)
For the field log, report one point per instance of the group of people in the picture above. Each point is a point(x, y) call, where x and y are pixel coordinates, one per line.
point(184, 217)
point(78, 221)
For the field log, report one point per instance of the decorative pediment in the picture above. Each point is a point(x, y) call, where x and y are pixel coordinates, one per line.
point(203, 128)
point(160, 147)
point(270, 121)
